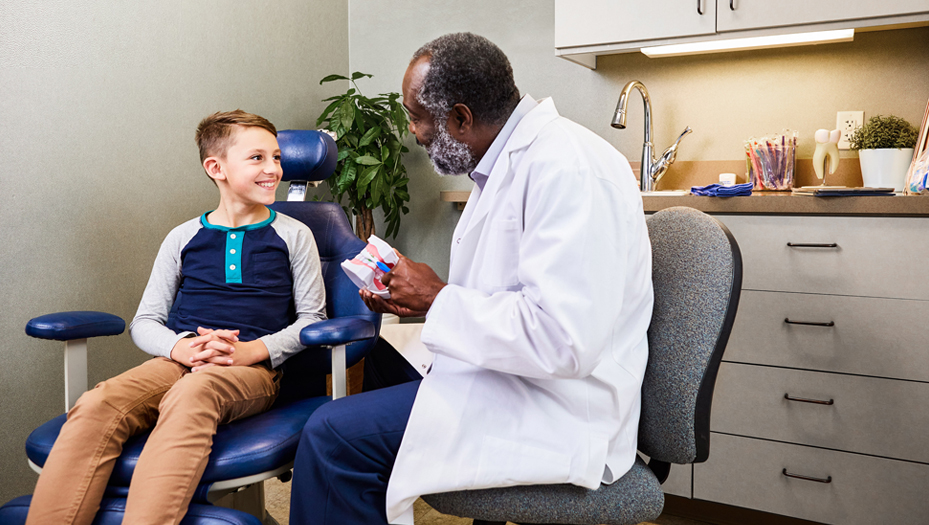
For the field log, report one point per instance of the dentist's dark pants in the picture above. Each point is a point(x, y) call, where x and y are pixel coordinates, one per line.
point(346, 453)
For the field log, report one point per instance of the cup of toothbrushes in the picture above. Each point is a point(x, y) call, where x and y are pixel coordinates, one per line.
point(770, 161)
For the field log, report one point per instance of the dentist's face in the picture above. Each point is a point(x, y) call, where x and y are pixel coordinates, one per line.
point(448, 155)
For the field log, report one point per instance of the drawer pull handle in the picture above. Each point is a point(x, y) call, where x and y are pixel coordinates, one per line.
point(807, 478)
point(808, 323)
point(805, 400)
point(812, 245)
point(700, 7)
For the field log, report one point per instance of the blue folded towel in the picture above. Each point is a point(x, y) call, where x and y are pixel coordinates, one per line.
point(718, 190)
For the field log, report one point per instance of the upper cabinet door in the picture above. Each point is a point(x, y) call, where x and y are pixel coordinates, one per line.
point(596, 22)
point(735, 15)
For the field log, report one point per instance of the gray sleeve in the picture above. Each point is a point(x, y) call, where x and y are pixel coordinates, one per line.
point(309, 291)
point(148, 328)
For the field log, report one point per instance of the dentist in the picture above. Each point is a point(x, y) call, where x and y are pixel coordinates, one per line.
point(540, 332)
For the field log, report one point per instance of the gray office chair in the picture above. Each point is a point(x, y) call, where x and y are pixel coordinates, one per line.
point(697, 274)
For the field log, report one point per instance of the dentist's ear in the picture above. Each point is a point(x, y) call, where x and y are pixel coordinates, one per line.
point(213, 168)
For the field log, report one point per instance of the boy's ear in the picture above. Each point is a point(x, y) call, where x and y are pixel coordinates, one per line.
point(213, 168)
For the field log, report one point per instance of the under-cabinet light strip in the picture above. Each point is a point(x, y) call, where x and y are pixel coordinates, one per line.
point(758, 42)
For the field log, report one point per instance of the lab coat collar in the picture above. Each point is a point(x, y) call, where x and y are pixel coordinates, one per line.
point(483, 168)
point(481, 201)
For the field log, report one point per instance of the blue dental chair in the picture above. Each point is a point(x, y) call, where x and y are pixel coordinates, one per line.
point(248, 451)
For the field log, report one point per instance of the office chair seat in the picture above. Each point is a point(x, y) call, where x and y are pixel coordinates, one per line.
point(112, 510)
point(242, 448)
point(634, 498)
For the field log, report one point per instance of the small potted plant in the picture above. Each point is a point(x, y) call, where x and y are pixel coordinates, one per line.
point(885, 150)
point(369, 133)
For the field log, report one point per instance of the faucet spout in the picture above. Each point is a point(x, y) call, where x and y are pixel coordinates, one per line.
point(651, 169)
point(619, 122)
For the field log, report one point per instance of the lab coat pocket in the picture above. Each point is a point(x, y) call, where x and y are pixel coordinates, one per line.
point(505, 463)
point(500, 257)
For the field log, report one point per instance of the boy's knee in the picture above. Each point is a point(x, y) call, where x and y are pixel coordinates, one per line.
point(94, 401)
point(193, 388)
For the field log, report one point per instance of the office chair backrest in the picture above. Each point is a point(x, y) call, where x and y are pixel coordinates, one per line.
point(308, 155)
point(697, 275)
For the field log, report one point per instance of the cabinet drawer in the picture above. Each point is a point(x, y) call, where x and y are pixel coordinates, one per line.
point(873, 256)
point(876, 337)
point(881, 417)
point(863, 490)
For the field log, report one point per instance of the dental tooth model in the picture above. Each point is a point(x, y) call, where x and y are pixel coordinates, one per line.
point(827, 149)
point(367, 268)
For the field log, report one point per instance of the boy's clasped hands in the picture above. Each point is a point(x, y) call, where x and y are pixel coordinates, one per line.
point(217, 348)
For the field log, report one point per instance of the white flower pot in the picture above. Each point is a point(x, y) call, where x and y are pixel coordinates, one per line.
point(885, 168)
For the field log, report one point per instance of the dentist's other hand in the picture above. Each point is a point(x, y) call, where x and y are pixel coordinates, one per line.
point(412, 285)
point(380, 305)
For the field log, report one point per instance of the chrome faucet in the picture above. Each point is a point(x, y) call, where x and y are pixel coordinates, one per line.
point(652, 169)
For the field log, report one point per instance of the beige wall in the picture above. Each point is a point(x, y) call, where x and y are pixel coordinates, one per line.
point(99, 102)
point(725, 98)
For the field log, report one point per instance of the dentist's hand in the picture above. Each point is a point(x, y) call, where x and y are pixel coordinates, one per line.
point(413, 287)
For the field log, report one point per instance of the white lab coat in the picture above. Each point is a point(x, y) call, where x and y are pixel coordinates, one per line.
point(540, 337)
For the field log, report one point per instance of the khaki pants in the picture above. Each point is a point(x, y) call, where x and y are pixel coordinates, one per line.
point(183, 407)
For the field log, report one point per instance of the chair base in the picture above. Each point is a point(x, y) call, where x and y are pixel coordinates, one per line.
point(250, 500)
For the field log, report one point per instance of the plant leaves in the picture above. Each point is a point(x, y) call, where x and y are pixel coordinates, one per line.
point(332, 78)
point(347, 114)
point(377, 189)
point(370, 169)
point(367, 160)
point(364, 179)
point(369, 135)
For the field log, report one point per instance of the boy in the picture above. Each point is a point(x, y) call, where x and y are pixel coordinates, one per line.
point(224, 306)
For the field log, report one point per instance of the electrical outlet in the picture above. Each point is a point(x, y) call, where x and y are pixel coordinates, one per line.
point(848, 122)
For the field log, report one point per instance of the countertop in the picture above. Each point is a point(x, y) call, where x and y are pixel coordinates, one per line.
point(776, 203)
point(787, 204)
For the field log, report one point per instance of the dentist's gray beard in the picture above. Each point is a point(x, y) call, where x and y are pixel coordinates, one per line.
point(449, 156)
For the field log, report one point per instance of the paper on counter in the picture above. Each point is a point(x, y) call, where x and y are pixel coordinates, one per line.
point(406, 339)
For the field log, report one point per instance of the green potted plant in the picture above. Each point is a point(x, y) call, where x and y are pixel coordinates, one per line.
point(369, 133)
point(885, 150)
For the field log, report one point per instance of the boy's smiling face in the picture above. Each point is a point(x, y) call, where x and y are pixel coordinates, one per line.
point(251, 167)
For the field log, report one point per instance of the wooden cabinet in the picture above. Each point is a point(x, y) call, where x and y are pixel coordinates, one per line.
point(821, 409)
point(585, 29)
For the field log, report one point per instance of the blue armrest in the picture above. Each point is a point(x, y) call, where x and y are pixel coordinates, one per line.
point(67, 326)
point(333, 332)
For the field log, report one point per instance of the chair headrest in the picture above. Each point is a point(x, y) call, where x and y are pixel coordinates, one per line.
point(306, 154)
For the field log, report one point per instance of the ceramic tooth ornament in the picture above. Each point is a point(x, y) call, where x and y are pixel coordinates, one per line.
point(827, 152)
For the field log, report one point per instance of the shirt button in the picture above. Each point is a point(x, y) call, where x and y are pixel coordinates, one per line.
point(232, 236)
point(458, 241)
point(232, 267)
point(232, 251)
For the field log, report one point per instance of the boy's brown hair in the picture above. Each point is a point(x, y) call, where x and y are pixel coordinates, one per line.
point(216, 133)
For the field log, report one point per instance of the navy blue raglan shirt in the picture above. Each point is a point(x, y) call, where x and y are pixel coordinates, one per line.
point(262, 279)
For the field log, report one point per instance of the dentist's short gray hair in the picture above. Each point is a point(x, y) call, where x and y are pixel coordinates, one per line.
point(468, 69)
